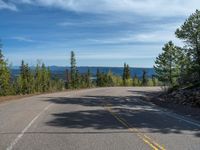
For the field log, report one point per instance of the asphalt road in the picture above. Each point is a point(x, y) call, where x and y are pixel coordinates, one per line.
point(94, 119)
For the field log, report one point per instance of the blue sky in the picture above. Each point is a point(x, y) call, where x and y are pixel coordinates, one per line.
point(101, 32)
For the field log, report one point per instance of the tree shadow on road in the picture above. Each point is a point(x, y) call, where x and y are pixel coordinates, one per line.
point(137, 113)
point(96, 119)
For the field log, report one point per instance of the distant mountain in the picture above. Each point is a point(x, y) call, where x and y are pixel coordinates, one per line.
point(60, 71)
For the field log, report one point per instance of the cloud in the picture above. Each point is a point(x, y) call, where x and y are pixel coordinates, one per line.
point(155, 34)
point(156, 37)
point(22, 39)
point(8, 5)
point(97, 22)
point(107, 55)
point(142, 7)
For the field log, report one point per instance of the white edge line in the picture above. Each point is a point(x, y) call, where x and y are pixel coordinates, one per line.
point(182, 118)
point(26, 128)
point(172, 114)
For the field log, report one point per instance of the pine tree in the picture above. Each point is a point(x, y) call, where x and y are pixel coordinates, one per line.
point(126, 74)
point(190, 33)
point(49, 79)
point(144, 78)
point(74, 73)
point(25, 79)
point(77, 79)
point(166, 65)
point(98, 74)
point(45, 78)
point(38, 78)
point(4, 76)
point(88, 78)
point(186, 72)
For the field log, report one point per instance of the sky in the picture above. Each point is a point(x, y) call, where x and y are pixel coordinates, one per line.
point(100, 32)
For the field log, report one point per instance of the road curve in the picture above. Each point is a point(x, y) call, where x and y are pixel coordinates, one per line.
point(94, 119)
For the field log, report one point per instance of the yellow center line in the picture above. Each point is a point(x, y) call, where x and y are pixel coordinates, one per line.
point(161, 147)
point(145, 138)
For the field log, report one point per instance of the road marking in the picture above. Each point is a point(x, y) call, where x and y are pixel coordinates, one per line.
point(176, 116)
point(171, 114)
point(26, 128)
point(145, 138)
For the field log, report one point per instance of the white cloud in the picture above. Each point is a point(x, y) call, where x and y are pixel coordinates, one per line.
point(159, 33)
point(150, 37)
point(108, 55)
point(142, 7)
point(10, 6)
point(23, 39)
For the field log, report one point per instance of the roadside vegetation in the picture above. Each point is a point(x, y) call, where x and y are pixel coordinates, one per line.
point(179, 67)
point(75, 80)
point(39, 79)
point(29, 81)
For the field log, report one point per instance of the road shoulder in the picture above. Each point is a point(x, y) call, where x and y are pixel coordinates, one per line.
point(184, 110)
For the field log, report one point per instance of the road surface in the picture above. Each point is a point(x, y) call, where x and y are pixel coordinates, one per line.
point(94, 119)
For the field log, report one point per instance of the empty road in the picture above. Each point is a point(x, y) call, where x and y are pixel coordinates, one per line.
point(94, 119)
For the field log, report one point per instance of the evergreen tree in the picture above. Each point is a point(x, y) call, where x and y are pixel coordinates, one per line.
point(77, 79)
point(186, 73)
point(45, 78)
point(126, 74)
point(144, 78)
point(38, 78)
point(98, 77)
point(43, 81)
point(18, 85)
point(166, 65)
point(190, 33)
point(88, 78)
point(4, 75)
point(74, 73)
point(26, 79)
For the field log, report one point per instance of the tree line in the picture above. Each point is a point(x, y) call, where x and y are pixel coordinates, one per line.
point(37, 80)
point(106, 79)
point(179, 67)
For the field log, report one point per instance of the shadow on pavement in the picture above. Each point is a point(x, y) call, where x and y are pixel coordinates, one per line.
point(136, 112)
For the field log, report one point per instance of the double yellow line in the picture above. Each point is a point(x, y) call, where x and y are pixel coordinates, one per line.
point(154, 145)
